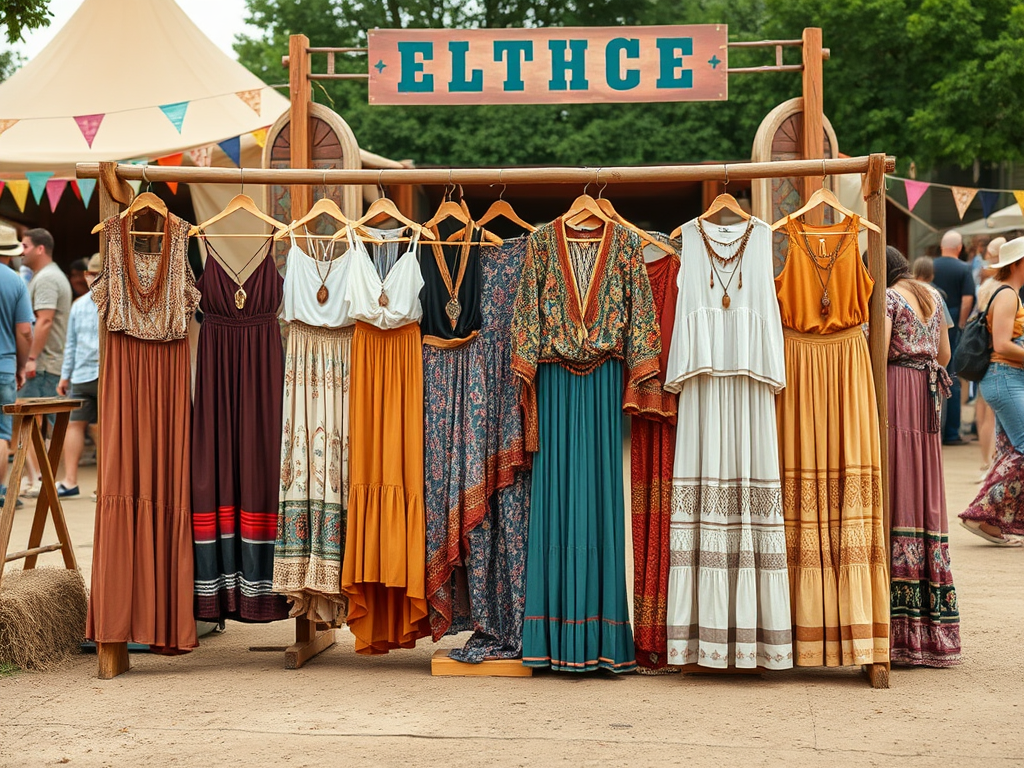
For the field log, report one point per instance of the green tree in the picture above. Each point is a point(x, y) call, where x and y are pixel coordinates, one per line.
point(9, 63)
point(19, 16)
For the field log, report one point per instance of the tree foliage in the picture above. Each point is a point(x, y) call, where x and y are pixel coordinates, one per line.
point(19, 16)
point(926, 80)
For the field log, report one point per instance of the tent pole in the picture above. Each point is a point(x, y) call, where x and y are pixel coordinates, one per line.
point(813, 115)
point(298, 124)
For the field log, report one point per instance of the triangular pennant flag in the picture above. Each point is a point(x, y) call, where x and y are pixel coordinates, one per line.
point(174, 159)
point(2, 183)
point(260, 134)
point(175, 113)
point(252, 98)
point(200, 157)
point(5, 124)
point(88, 125)
point(1018, 195)
point(989, 198)
point(37, 181)
point(914, 191)
point(233, 149)
point(54, 189)
point(86, 187)
point(76, 190)
point(19, 191)
point(135, 185)
point(963, 196)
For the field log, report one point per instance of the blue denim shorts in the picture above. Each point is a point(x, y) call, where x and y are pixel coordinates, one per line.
point(8, 393)
point(1003, 390)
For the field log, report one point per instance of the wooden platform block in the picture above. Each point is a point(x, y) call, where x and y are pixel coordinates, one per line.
point(300, 652)
point(443, 666)
point(113, 659)
point(878, 674)
point(697, 669)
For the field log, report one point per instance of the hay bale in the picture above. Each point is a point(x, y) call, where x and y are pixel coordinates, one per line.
point(42, 617)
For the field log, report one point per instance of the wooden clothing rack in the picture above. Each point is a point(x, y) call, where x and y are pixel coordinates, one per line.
point(310, 637)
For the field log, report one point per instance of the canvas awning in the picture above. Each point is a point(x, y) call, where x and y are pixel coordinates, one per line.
point(1006, 220)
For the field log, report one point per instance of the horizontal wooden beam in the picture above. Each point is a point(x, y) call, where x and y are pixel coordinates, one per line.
point(544, 175)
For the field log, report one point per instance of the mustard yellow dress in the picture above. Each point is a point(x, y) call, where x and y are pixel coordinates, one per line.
point(830, 453)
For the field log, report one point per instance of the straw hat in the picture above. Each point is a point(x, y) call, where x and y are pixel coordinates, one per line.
point(1010, 253)
point(10, 245)
point(992, 251)
point(95, 264)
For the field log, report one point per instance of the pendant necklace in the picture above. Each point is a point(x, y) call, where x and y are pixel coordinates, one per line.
point(453, 308)
point(322, 293)
point(240, 294)
point(826, 302)
point(725, 261)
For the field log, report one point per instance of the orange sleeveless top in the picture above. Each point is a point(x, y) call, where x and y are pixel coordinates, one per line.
point(799, 285)
point(1018, 332)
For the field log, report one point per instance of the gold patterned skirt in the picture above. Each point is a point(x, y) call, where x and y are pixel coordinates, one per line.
point(832, 501)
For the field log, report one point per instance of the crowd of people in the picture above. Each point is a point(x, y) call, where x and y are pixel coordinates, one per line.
point(49, 344)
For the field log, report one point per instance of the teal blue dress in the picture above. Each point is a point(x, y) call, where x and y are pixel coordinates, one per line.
point(584, 328)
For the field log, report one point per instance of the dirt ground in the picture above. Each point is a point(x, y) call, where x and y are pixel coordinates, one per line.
point(225, 705)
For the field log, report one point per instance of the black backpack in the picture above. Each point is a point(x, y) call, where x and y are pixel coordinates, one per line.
point(974, 352)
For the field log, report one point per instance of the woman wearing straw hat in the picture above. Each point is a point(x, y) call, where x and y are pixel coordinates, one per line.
point(997, 514)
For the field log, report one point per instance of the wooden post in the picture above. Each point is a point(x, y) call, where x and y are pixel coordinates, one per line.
point(298, 126)
point(813, 114)
point(875, 189)
point(112, 657)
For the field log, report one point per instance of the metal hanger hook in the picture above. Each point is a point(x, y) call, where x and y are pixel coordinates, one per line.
point(726, 166)
point(241, 175)
point(501, 195)
point(823, 174)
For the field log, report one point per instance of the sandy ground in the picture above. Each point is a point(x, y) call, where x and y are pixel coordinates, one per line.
point(226, 705)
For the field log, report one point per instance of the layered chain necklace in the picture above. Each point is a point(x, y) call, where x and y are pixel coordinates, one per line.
point(716, 259)
point(145, 299)
point(831, 258)
point(453, 308)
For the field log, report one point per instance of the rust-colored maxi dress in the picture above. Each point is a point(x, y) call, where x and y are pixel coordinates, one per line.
point(142, 557)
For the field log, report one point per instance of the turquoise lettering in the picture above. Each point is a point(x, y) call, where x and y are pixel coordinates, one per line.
point(517, 52)
point(577, 63)
point(617, 79)
point(459, 83)
point(670, 55)
point(413, 80)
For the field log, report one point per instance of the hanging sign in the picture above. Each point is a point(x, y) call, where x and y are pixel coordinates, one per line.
point(553, 65)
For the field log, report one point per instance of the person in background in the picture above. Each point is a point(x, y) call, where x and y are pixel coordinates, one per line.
point(983, 416)
point(76, 276)
point(977, 257)
point(79, 377)
point(924, 272)
point(15, 342)
point(925, 628)
point(997, 513)
point(955, 282)
point(50, 293)
point(10, 246)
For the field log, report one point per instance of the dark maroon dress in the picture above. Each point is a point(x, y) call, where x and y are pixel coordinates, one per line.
point(236, 446)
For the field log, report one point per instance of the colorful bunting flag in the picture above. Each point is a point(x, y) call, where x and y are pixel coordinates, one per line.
point(233, 149)
point(74, 188)
point(2, 183)
point(963, 196)
point(19, 191)
point(86, 187)
point(54, 189)
point(5, 124)
point(171, 160)
point(89, 125)
point(37, 181)
point(915, 189)
point(252, 98)
point(989, 198)
point(1018, 195)
point(200, 157)
point(175, 113)
point(260, 134)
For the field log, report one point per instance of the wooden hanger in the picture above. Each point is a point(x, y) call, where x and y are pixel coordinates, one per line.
point(145, 201)
point(724, 202)
point(377, 207)
point(458, 211)
point(501, 207)
point(608, 209)
point(824, 196)
point(324, 206)
point(238, 203)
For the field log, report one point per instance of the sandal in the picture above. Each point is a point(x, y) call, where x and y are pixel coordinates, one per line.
point(1000, 541)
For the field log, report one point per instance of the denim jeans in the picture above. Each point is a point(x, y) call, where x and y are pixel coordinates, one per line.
point(1003, 390)
point(8, 393)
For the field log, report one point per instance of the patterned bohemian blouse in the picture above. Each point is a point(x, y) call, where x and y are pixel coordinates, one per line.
point(915, 344)
point(581, 304)
point(151, 296)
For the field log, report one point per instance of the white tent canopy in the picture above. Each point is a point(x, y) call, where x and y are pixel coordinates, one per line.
point(1006, 220)
point(124, 59)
